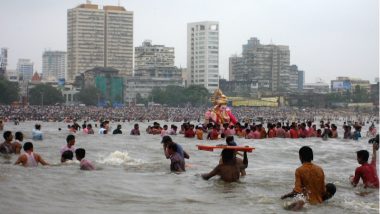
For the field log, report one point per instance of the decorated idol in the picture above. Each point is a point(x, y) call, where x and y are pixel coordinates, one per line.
point(220, 113)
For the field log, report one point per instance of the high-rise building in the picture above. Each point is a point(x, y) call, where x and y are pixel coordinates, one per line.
point(203, 54)
point(269, 65)
point(155, 61)
point(301, 80)
point(54, 65)
point(99, 38)
point(25, 69)
point(3, 60)
point(154, 68)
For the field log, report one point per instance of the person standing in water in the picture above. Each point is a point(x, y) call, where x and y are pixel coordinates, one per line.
point(366, 172)
point(70, 142)
point(310, 179)
point(229, 169)
point(29, 158)
point(84, 163)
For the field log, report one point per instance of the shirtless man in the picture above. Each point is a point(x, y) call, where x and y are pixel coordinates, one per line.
point(30, 159)
point(230, 168)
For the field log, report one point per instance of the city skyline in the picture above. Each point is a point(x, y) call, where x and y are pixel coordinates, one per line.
point(326, 39)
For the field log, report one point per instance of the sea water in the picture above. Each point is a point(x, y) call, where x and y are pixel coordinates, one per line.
point(133, 176)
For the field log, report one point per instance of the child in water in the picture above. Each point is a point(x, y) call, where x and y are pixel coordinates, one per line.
point(177, 163)
point(298, 204)
point(366, 172)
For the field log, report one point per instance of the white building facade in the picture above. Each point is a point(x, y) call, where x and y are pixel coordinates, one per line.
point(54, 65)
point(203, 54)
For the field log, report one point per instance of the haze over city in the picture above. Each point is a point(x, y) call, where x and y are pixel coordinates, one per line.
point(327, 39)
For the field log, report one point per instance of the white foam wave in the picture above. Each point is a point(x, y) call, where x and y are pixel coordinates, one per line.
point(119, 158)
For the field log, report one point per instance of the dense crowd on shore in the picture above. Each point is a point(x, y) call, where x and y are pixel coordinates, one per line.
point(176, 114)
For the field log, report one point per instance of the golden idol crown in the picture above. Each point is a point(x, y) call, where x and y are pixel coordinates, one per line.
point(219, 98)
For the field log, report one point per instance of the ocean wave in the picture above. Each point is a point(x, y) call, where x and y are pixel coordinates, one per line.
point(119, 158)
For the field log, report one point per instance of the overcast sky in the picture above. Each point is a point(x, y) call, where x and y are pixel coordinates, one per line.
point(327, 38)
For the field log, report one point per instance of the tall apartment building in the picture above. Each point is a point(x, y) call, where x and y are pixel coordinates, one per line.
point(25, 69)
point(203, 54)
point(3, 60)
point(269, 65)
point(99, 38)
point(54, 65)
point(155, 61)
point(154, 67)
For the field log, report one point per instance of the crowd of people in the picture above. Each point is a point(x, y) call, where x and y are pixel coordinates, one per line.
point(256, 124)
point(175, 114)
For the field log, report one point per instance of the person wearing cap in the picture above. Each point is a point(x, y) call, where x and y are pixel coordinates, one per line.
point(166, 141)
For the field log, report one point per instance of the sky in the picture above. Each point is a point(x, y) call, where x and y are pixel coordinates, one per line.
point(327, 38)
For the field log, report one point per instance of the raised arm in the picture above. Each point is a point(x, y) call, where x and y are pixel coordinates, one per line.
point(245, 160)
point(375, 147)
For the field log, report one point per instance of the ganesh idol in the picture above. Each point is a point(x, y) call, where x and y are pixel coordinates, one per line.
point(220, 113)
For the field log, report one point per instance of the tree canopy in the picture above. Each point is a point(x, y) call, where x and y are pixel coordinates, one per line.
point(9, 91)
point(88, 95)
point(44, 94)
point(171, 95)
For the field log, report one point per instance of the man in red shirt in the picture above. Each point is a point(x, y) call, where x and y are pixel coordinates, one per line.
point(293, 131)
point(367, 172)
point(214, 134)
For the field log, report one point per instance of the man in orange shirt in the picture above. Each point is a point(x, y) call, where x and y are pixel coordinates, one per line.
point(310, 179)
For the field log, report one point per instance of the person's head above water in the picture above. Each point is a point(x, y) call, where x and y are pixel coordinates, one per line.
point(19, 136)
point(230, 141)
point(70, 139)
point(305, 154)
point(67, 155)
point(80, 153)
point(330, 191)
point(362, 156)
point(228, 155)
point(166, 140)
point(7, 135)
point(28, 146)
